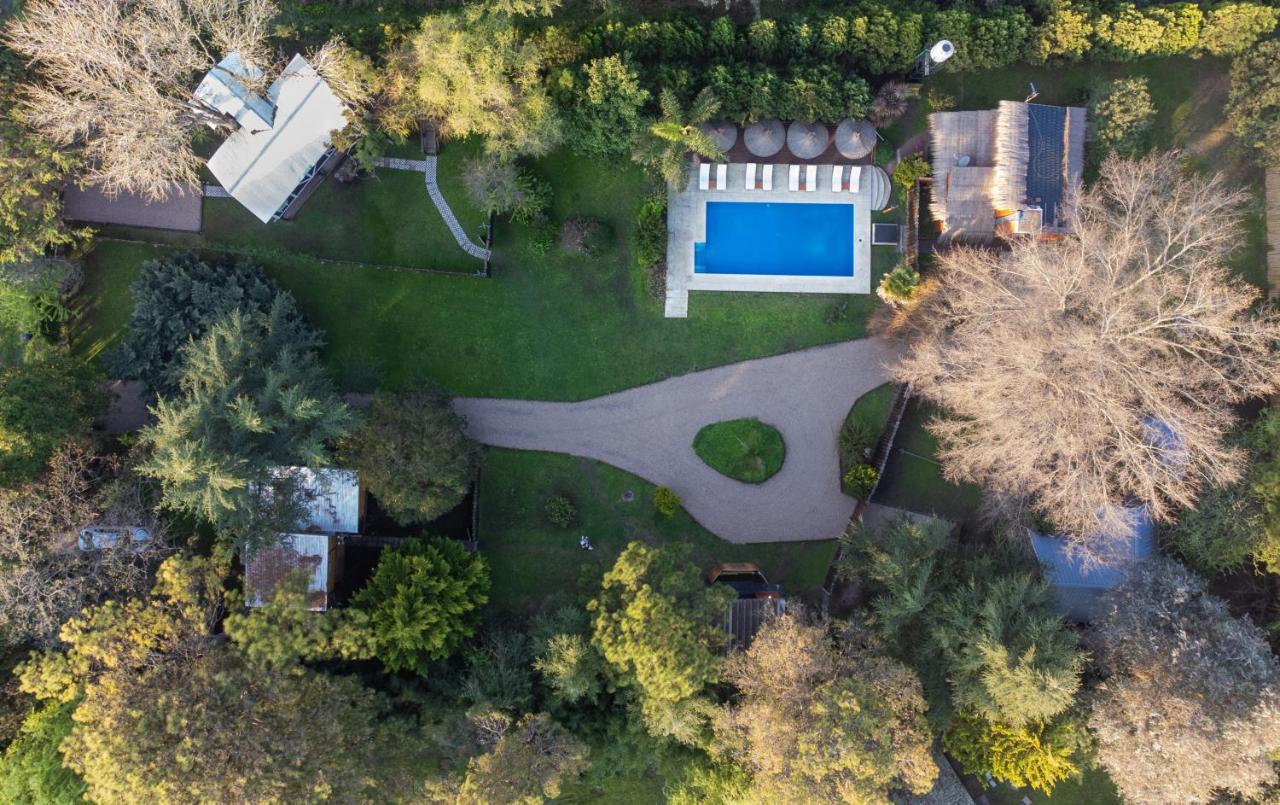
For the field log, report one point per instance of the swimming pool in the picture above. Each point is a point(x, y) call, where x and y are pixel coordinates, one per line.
point(801, 239)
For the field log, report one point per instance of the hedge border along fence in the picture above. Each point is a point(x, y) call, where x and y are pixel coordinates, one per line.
point(878, 39)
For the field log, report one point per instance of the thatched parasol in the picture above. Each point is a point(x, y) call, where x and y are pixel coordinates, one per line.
point(724, 133)
point(765, 138)
point(855, 138)
point(807, 140)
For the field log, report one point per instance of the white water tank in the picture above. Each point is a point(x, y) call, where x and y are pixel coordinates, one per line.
point(941, 51)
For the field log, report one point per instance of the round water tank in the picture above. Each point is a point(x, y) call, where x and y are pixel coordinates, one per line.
point(941, 51)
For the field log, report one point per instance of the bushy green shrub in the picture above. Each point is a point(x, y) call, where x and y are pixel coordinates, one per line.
point(606, 108)
point(33, 293)
point(1123, 116)
point(1037, 756)
point(911, 169)
point(666, 501)
point(649, 234)
point(560, 511)
point(42, 404)
point(856, 442)
point(860, 480)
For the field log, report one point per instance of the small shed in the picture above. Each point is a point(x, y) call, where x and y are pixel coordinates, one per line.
point(281, 142)
point(1079, 582)
point(332, 497)
point(314, 555)
point(747, 615)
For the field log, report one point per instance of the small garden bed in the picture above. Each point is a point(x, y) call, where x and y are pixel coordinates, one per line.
point(862, 429)
point(745, 450)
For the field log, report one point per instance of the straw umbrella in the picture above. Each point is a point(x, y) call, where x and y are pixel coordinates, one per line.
point(765, 138)
point(807, 140)
point(724, 133)
point(855, 138)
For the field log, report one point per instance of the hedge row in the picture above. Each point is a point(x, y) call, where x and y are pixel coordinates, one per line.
point(878, 38)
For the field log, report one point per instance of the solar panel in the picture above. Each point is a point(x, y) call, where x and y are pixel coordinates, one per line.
point(1046, 127)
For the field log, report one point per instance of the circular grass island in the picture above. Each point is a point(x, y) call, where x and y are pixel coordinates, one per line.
point(745, 450)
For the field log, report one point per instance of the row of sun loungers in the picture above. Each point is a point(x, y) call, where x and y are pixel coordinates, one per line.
point(844, 178)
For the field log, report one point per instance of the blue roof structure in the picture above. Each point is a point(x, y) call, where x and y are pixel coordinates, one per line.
point(1046, 139)
point(1079, 584)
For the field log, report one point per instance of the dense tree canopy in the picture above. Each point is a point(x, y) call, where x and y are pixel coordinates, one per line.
point(1122, 115)
point(422, 601)
point(529, 760)
point(254, 397)
point(607, 105)
point(1189, 695)
point(1253, 106)
point(42, 404)
point(478, 77)
point(167, 712)
point(1057, 393)
point(412, 454)
point(176, 300)
point(823, 719)
point(658, 625)
point(31, 769)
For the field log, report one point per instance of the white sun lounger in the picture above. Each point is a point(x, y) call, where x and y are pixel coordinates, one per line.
point(704, 176)
point(750, 182)
point(793, 179)
point(722, 177)
point(811, 178)
point(767, 184)
point(837, 171)
point(855, 178)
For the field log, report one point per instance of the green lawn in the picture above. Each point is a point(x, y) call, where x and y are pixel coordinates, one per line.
point(1093, 788)
point(386, 219)
point(554, 326)
point(746, 450)
point(531, 559)
point(913, 477)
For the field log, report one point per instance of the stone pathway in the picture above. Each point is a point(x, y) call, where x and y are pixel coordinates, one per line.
point(649, 431)
point(427, 166)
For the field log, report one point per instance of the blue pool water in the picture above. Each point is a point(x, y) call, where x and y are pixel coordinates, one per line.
point(746, 237)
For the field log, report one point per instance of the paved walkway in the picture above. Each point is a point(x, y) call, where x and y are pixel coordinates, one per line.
point(427, 166)
point(649, 431)
point(1273, 232)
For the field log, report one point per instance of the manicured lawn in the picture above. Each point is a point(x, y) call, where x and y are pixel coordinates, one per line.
point(746, 450)
point(531, 559)
point(913, 477)
point(545, 326)
point(387, 219)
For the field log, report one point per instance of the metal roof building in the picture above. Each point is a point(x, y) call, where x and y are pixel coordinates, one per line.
point(1079, 583)
point(331, 496)
point(282, 139)
point(311, 554)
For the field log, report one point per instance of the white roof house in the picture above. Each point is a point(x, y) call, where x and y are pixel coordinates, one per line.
point(282, 138)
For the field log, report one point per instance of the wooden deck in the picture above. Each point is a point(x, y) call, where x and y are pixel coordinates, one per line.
point(1273, 232)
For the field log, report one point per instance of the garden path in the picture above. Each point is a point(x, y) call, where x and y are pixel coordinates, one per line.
point(649, 431)
point(427, 166)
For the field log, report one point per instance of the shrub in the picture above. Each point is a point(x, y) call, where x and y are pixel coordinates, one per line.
point(649, 234)
point(911, 169)
point(585, 236)
point(1122, 114)
point(501, 187)
point(860, 480)
point(899, 285)
point(857, 440)
point(666, 501)
point(42, 404)
point(560, 511)
point(413, 455)
point(1037, 756)
point(33, 293)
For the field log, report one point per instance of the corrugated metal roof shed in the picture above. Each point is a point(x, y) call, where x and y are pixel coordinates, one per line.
point(331, 496)
point(747, 615)
point(266, 567)
point(1078, 582)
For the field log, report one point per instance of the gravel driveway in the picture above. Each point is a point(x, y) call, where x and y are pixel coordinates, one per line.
point(649, 431)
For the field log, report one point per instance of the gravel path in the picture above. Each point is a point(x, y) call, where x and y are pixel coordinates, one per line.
point(649, 431)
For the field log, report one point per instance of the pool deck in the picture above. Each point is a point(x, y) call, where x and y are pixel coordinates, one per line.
point(687, 225)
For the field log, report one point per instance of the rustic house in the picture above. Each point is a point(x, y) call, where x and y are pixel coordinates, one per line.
point(1007, 171)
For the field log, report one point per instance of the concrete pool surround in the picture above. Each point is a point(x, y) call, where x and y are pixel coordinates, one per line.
point(687, 225)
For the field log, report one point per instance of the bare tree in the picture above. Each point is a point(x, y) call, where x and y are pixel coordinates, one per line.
point(1190, 700)
point(1084, 373)
point(117, 78)
point(44, 577)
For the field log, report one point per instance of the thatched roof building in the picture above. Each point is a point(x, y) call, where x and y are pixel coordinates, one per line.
point(1007, 171)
